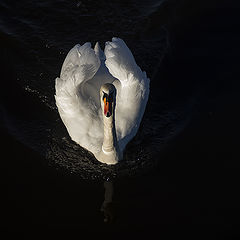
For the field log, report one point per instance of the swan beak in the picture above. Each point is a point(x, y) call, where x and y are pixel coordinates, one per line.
point(107, 108)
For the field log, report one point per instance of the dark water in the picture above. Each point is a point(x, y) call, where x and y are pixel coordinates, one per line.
point(179, 175)
point(44, 33)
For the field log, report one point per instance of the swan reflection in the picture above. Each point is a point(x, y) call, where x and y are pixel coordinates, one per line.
point(107, 205)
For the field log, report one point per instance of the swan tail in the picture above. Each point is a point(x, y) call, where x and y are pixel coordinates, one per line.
point(99, 52)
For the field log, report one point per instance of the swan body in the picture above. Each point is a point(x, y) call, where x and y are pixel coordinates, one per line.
point(101, 98)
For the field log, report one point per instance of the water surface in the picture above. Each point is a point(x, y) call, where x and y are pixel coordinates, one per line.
point(179, 173)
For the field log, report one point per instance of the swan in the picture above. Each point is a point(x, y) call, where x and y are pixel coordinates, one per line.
point(101, 98)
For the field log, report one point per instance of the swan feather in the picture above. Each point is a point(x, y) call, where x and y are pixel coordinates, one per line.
point(83, 73)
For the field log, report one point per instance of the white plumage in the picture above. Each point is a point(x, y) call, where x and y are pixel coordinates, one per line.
point(83, 73)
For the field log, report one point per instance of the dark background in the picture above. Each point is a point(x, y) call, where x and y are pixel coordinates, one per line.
point(194, 190)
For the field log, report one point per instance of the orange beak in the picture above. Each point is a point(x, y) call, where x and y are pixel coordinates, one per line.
point(107, 108)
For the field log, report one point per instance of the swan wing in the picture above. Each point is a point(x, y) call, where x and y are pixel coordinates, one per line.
point(132, 87)
point(79, 113)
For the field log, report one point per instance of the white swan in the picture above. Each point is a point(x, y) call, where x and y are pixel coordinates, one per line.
point(101, 98)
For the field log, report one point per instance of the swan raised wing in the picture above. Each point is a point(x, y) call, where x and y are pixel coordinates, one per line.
point(132, 89)
point(77, 108)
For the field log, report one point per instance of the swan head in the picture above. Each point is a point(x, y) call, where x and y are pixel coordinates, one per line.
point(108, 99)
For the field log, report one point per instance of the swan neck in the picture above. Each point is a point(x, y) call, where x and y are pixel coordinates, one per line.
point(109, 139)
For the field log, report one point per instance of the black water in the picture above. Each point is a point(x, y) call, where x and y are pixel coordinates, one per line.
point(180, 174)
